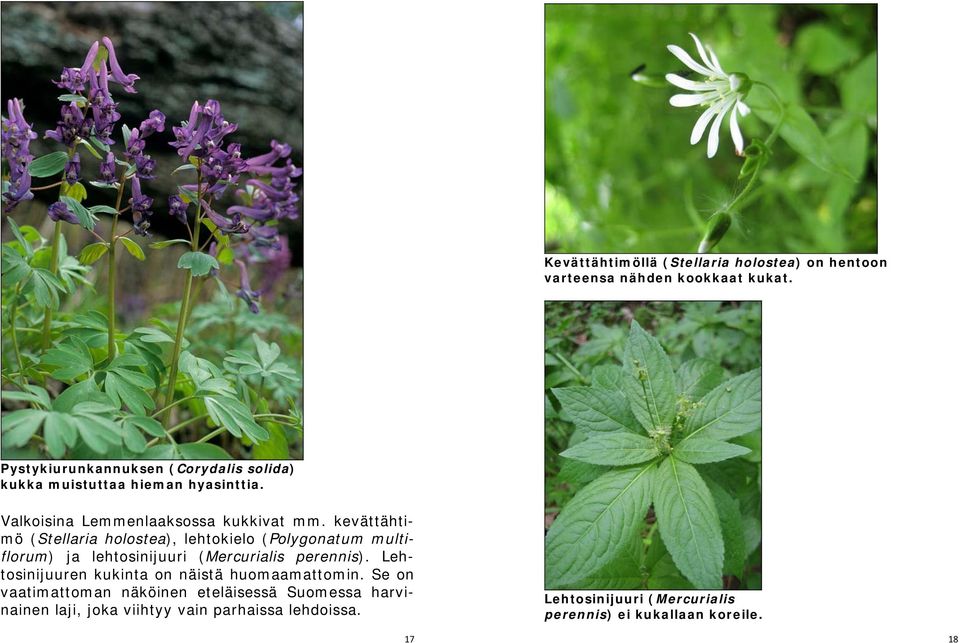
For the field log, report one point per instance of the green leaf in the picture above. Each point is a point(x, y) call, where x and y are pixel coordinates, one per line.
point(85, 391)
point(126, 135)
point(153, 335)
point(20, 426)
point(98, 432)
point(199, 263)
point(76, 191)
point(184, 167)
point(274, 448)
point(607, 377)
point(72, 357)
point(121, 387)
point(72, 98)
point(34, 394)
point(103, 209)
point(823, 50)
point(133, 248)
point(648, 380)
point(202, 451)
point(132, 438)
point(688, 521)
point(596, 409)
point(93, 252)
point(697, 377)
point(701, 450)
point(246, 363)
point(731, 409)
point(90, 148)
point(597, 524)
point(146, 424)
point(624, 571)
point(15, 229)
point(231, 413)
point(268, 353)
point(615, 449)
point(60, 433)
point(87, 220)
point(168, 243)
point(858, 88)
point(48, 164)
point(731, 525)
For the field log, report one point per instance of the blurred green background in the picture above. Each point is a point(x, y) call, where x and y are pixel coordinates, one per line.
point(621, 175)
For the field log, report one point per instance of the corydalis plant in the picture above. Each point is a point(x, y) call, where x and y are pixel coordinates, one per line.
point(652, 427)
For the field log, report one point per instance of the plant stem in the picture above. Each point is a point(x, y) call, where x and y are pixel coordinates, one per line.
point(172, 404)
point(54, 268)
point(211, 435)
point(169, 434)
point(112, 277)
point(184, 311)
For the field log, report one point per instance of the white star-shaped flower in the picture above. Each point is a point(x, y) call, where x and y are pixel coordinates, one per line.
point(720, 92)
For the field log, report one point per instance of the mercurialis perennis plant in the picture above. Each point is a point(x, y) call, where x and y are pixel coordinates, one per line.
point(669, 455)
point(77, 384)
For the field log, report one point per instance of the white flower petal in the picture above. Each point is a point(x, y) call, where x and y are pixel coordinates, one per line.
point(702, 123)
point(742, 108)
point(713, 139)
point(703, 53)
point(689, 100)
point(735, 132)
point(689, 85)
point(715, 61)
point(690, 62)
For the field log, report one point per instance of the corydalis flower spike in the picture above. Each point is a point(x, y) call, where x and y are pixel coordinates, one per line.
point(720, 92)
point(116, 74)
point(17, 134)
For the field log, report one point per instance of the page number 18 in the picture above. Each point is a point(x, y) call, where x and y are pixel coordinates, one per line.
point(950, 639)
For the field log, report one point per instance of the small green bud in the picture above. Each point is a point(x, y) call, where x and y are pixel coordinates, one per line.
point(717, 226)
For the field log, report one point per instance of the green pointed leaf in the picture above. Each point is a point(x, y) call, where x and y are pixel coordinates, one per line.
point(648, 380)
point(72, 98)
point(103, 209)
point(76, 191)
point(85, 391)
point(701, 450)
point(597, 524)
point(858, 88)
point(90, 148)
point(98, 432)
point(146, 424)
point(624, 571)
point(133, 248)
point(15, 229)
point(268, 353)
point(198, 263)
point(153, 335)
point(697, 377)
point(93, 252)
point(596, 409)
point(235, 417)
point(20, 426)
point(87, 219)
point(48, 164)
point(614, 449)
point(731, 524)
point(124, 391)
point(688, 521)
point(132, 438)
point(72, 359)
point(168, 243)
point(731, 409)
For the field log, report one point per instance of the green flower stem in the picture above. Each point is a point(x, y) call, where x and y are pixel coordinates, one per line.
point(184, 311)
point(169, 434)
point(112, 278)
point(172, 404)
point(211, 435)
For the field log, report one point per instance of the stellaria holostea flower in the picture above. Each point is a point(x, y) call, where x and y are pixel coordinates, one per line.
point(721, 92)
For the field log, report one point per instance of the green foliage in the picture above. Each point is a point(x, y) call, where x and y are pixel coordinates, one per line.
point(47, 165)
point(198, 263)
point(662, 497)
point(620, 174)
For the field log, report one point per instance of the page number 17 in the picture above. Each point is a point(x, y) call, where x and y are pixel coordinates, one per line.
point(409, 639)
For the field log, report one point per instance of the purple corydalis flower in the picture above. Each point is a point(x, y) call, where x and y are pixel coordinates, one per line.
point(17, 134)
point(70, 126)
point(246, 293)
point(140, 206)
point(108, 169)
point(59, 211)
point(116, 74)
point(154, 123)
point(72, 78)
point(203, 132)
point(178, 208)
point(233, 225)
point(72, 171)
